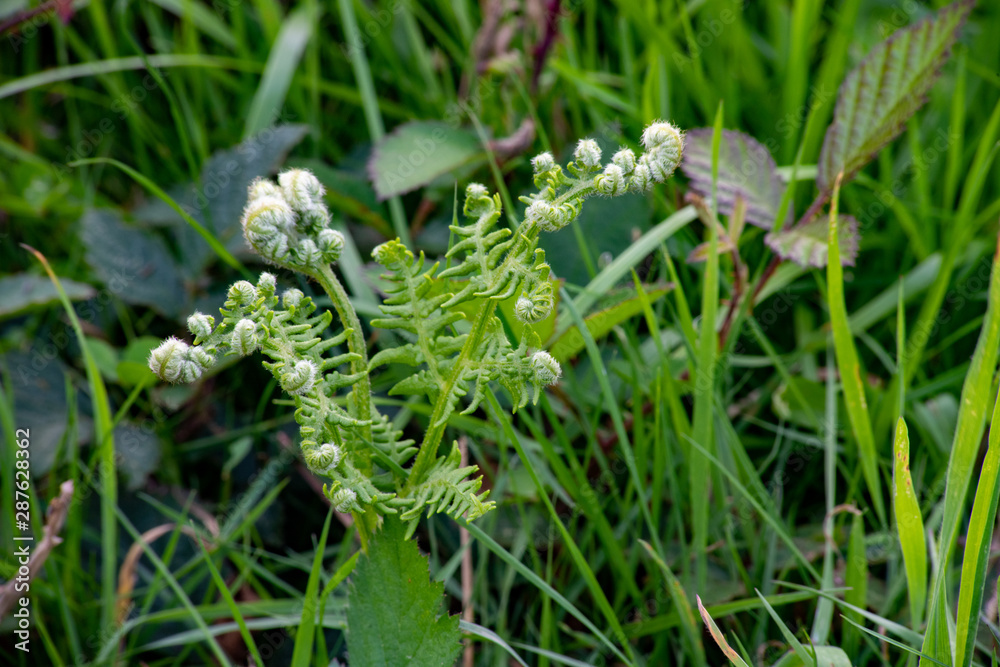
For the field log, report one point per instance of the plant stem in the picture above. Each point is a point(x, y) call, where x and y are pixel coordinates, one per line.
point(435, 431)
point(360, 406)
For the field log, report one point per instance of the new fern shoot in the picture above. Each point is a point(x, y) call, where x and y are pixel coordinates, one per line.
point(373, 471)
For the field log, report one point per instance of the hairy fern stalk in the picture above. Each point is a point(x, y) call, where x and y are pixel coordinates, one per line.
point(373, 470)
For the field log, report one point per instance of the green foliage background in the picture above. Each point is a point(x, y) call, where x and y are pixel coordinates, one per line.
point(200, 97)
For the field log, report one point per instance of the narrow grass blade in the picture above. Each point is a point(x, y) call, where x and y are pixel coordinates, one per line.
point(203, 630)
point(856, 579)
point(976, 561)
point(302, 656)
point(490, 636)
point(104, 439)
point(909, 525)
point(717, 635)
point(682, 603)
point(893, 627)
point(849, 367)
point(578, 558)
point(369, 102)
point(704, 388)
point(230, 601)
point(824, 608)
point(214, 243)
point(620, 266)
point(541, 585)
point(296, 31)
point(776, 524)
point(976, 393)
point(789, 636)
point(889, 640)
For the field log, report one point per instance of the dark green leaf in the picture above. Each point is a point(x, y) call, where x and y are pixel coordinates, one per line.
point(22, 292)
point(228, 174)
point(395, 616)
point(416, 153)
point(133, 263)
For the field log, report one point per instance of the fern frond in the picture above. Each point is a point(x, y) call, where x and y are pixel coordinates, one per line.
point(448, 489)
point(412, 309)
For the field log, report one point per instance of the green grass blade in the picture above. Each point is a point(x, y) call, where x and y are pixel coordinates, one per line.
point(680, 599)
point(909, 525)
point(543, 586)
point(230, 601)
point(578, 558)
point(631, 257)
point(214, 243)
point(369, 102)
point(789, 636)
point(856, 579)
point(104, 439)
point(889, 640)
point(203, 630)
point(976, 393)
point(704, 388)
point(976, 561)
point(776, 524)
point(849, 367)
point(302, 656)
point(296, 31)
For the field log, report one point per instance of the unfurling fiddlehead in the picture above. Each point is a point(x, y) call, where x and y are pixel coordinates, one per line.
point(346, 439)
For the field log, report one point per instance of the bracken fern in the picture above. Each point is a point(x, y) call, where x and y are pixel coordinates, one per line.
point(349, 442)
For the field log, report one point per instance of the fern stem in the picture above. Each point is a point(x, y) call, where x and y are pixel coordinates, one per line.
point(360, 407)
point(435, 431)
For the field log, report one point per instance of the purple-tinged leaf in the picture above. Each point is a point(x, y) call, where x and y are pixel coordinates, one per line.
point(806, 244)
point(746, 169)
point(884, 91)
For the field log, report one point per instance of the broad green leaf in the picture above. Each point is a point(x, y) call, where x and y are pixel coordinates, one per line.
point(806, 244)
point(976, 561)
point(879, 95)
point(416, 153)
point(909, 524)
point(296, 30)
point(23, 292)
point(849, 367)
point(826, 656)
point(105, 356)
point(133, 263)
point(395, 616)
point(717, 635)
point(590, 233)
point(746, 170)
point(599, 324)
point(133, 368)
